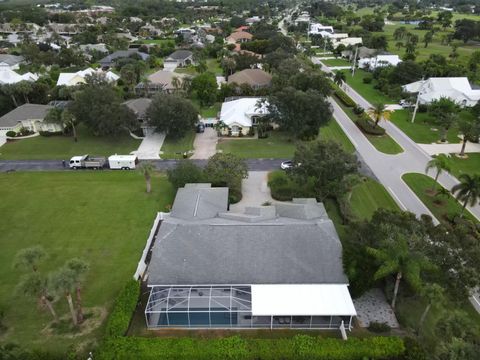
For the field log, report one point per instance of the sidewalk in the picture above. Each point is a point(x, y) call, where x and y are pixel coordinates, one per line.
point(435, 149)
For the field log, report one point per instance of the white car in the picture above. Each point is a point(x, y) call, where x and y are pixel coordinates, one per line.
point(286, 165)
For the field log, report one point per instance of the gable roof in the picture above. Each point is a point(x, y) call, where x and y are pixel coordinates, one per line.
point(138, 106)
point(122, 54)
point(240, 35)
point(179, 55)
point(72, 79)
point(240, 111)
point(8, 76)
point(11, 59)
point(24, 112)
point(229, 249)
point(252, 77)
point(164, 78)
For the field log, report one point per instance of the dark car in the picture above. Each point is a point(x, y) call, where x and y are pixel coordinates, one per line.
point(200, 127)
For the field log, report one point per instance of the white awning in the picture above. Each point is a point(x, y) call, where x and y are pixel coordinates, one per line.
point(302, 300)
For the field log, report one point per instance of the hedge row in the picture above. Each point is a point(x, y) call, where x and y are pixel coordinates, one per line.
point(365, 123)
point(344, 98)
point(119, 319)
point(300, 347)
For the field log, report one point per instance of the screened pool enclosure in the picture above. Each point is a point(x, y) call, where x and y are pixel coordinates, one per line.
point(231, 307)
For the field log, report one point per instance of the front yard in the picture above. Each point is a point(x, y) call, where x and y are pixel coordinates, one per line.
point(63, 147)
point(470, 165)
point(174, 148)
point(103, 217)
point(336, 62)
point(372, 95)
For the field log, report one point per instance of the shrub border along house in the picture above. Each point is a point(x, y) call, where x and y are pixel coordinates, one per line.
point(118, 346)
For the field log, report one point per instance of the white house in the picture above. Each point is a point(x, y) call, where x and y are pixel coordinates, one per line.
point(348, 41)
point(379, 61)
point(8, 76)
point(73, 79)
point(318, 29)
point(457, 89)
point(241, 114)
point(30, 116)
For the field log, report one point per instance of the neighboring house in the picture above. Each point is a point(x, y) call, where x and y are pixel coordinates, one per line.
point(12, 61)
point(304, 17)
point(253, 20)
point(239, 37)
point(362, 52)
point(270, 267)
point(457, 89)
point(255, 78)
point(73, 79)
point(379, 61)
point(349, 41)
point(87, 48)
point(160, 81)
point(8, 76)
point(318, 29)
point(180, 58)
point(139, 107)
point(109, 60)
point(240, 115)
point(28, 116)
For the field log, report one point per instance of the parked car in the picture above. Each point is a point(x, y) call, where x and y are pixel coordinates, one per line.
point(200, 127)
point(405, 104)
point(286, 165)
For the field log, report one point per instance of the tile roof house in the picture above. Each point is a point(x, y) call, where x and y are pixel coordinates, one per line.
point(457, 89)
point(30, 116)
point(240, 115)
point(160, 81)
point(79, 77)
point(270, 267)
point(255, 78)
point(239, 37)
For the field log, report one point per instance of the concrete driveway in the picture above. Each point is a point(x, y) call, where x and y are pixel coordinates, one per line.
point(205, 144)
point(255, 191)
point(150, 146)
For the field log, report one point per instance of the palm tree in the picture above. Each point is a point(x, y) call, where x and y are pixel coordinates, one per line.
point(146, 168)
point(470, 130)
point(434, 294)
point(399, 45)
point(445, 112)
point(79, 267)
point(29, 258)
point(442, 192)
point(468, 191)
point(35, 285)
point(395, 257)
point(339, 78)
point(176, 83)
point(440, 164)
point(379, 112)
point(64, 281)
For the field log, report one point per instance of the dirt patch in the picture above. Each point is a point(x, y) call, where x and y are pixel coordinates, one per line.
point(94, 317)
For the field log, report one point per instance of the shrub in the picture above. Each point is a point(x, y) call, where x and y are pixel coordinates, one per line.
point(25, 132)
point(368, 126)
point(234, 195)
point(300, 347)
point(185, 172)
point(281, 186)
point(413, 351)
point(125, 304)
point(377, 327)
point(358, 110)
point(11, 133)
point(367, 79)
point(344, 98)
point(51, 133)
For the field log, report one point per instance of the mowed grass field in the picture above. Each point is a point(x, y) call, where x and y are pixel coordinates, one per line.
point(368, 197)
point(103, 217)
point(63, 147)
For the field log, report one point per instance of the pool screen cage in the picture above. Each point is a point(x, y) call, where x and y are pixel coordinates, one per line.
point(221, 307)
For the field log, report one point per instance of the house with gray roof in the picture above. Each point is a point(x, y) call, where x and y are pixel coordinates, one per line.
point(11, 61)
point(109, 60)
point(276, 266)
point(29, 116)
point(181, 58)
point(139, 107)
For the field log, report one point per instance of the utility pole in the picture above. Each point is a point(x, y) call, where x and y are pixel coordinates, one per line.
point(354, 60)
point(418, 99)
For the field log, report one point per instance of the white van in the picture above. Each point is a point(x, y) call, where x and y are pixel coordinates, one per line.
point(122, 162)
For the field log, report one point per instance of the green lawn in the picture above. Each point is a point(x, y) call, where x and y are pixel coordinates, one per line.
point(336, 62)
point(207, 111)
point(63, 147)
point(189, 70)
point(333, 131)
point(440, 207)
point(369, 196)
point(471, 165)
point(158, 41)
point(214, 66)
point(424, 130)
point(370, 94)
point(174, 148)
point(103, 217)
point(277, 145)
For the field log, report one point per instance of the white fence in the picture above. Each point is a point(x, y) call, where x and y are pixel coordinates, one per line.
point(142, 265)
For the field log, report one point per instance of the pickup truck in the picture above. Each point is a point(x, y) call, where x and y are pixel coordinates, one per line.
point(87, 162)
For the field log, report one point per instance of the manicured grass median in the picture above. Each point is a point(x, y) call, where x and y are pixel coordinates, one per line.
point(174, 148)
point(368, 197)
point(103, 217)
point(63, 147)
point(441, 207)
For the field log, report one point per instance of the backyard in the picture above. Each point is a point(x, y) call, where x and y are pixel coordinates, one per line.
point(103, 217)
point(63, 147)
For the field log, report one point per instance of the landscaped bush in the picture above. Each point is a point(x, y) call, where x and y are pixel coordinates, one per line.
point(344, 98)
point(358, 110)
point(368, 126)
point(11, 133)
point(300, 347)
point(24, 132)
point(281, 187)
point(125, 304)
point(377, 327)
point(367, 79)
point(50, 133)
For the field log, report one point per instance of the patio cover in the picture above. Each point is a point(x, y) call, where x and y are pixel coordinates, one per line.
point(302, 300)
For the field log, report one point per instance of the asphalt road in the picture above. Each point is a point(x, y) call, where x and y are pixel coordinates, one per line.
point(54, 165)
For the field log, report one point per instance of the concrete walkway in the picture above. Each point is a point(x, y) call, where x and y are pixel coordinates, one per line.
point(3, 140)
point(150, 147)
point(205, 144)
point(435, 149)
point(255, 191)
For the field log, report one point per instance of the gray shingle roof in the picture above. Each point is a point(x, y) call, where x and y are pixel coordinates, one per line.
point(138, 106)
point(24, 112)
point(11, 59)
point(109, 59)
point(180, 55)
point(260, 247)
